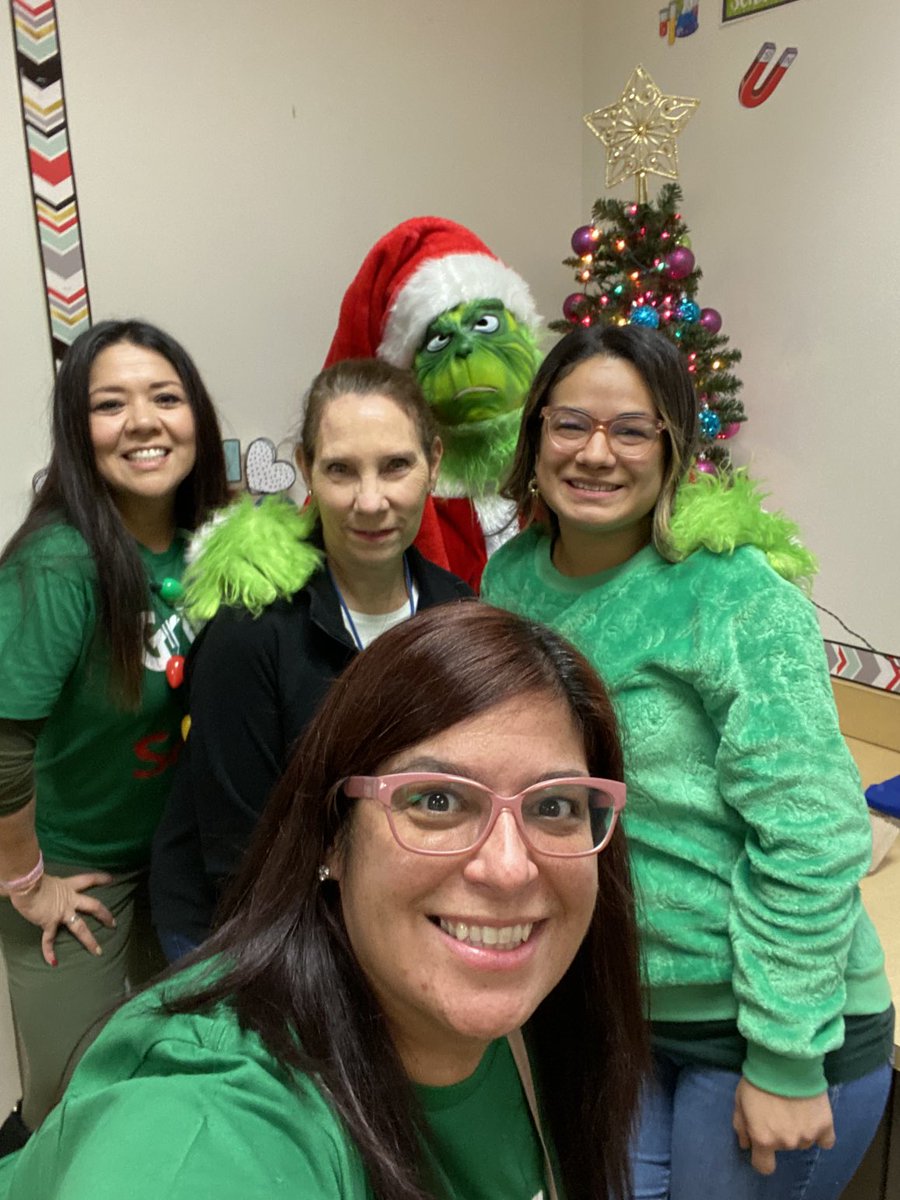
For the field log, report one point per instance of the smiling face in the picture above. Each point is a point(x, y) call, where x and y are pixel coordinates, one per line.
point(462, 950)
point(593, 492)
point(369, 476)
point(141, 427)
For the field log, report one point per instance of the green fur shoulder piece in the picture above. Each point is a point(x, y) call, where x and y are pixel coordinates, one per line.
point(248, 555)
point(720, 514)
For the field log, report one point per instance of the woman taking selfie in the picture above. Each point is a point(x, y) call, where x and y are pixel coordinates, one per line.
point(747, 828)
point(424, 883)
point(89, 727)
point(299, 614)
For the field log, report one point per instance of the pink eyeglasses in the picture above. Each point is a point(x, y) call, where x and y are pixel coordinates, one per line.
point(444, 814)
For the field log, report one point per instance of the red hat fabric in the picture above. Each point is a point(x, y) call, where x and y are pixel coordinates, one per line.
point(418, 270)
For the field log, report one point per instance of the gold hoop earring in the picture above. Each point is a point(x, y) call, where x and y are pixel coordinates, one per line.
point(533, 490)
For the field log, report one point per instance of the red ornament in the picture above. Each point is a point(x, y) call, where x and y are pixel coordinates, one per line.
point(175, 670)
point(574, 306)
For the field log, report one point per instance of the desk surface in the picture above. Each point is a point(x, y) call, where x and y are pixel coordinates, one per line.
point(881, 895)
point(881, 889)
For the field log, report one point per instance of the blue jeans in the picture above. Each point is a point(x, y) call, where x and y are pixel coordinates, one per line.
point(686, 1148)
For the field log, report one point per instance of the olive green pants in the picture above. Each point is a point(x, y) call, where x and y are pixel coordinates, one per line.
point(58, 1010)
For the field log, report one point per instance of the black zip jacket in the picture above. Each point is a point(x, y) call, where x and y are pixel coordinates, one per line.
point(254, 684)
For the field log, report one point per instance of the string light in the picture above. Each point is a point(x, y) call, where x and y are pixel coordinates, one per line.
point(620, 244)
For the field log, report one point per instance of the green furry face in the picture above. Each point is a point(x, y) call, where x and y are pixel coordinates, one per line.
point(476, 363)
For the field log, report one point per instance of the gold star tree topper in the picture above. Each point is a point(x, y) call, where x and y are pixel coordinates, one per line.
point(640, 130)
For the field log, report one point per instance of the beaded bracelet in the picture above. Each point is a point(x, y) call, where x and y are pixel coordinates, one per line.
point(26, 882)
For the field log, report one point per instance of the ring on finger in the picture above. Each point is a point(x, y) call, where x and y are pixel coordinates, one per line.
point(71, 920)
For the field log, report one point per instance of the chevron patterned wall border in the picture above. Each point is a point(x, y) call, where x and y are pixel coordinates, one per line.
point(880, 671)
point(52, 177)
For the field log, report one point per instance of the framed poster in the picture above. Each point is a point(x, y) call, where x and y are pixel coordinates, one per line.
point(733, 10)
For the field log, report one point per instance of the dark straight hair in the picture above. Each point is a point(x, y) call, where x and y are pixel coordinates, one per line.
point(665, 375)
point(74, 491)
point(292, 975)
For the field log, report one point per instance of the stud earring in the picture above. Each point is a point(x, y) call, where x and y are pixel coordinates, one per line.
point(324, 873)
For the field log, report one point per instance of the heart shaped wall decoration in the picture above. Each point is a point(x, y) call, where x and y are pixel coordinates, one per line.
point(265, 473)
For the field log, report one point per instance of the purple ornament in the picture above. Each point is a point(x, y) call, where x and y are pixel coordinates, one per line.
point(584, 239)
point(706, 467)
point(711, 320)
point(573, 307)
point(680, 262)
point(729, 430)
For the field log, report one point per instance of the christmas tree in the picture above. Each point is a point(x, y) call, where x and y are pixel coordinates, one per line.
point(636, 266)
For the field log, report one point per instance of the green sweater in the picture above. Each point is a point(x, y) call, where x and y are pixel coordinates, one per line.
point(746, 823)
point(192, 1107)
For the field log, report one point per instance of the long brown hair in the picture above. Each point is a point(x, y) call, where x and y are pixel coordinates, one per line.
point(293, 977)
point(75, 492)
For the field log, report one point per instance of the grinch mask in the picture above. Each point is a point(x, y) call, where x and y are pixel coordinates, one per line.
point(475, 365)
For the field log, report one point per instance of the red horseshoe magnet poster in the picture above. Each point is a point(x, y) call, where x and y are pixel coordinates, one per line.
point(754, 89)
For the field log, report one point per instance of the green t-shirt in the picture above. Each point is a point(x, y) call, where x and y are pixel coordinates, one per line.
point(192, 1107)
point(102, 773)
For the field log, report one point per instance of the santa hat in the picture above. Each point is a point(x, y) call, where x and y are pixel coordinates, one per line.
point(420, 269)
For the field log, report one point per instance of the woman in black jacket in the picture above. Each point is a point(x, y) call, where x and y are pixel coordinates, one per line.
point(296, 616)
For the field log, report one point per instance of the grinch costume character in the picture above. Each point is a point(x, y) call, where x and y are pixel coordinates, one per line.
point(430, 295)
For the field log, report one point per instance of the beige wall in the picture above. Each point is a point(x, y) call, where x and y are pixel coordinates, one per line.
point(791, 208)
point(235, 161)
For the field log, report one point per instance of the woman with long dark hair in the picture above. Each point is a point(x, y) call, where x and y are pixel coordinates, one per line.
point(89, 726)
point(308, 591)
point(771, 1016)
point(439, 872)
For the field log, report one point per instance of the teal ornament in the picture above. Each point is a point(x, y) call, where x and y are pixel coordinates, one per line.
point(644, 314)
point(171, 590)
point(688, 311)
point(709, 422)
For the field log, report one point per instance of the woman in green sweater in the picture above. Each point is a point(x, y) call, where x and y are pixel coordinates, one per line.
point(748, 832)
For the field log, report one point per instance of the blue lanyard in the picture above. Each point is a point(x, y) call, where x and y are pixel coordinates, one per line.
point(407, 579)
